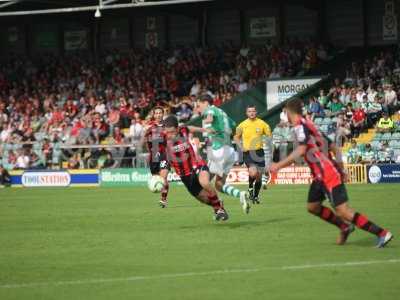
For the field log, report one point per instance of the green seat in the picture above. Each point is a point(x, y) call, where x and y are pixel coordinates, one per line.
point(324, 128)
point(376, 145)
point(377, 137)
point(327, 121)
point(386, 136)
point(396, 136)
point(318, 121)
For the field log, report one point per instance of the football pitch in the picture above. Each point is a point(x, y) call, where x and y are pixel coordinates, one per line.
point(103, 243)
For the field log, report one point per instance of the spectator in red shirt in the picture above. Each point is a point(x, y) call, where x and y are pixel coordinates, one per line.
point(358, 121)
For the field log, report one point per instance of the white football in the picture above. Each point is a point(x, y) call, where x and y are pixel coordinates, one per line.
point(155, 183)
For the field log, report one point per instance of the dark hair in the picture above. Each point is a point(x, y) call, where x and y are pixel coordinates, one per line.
point(295, 106)
point(158, 108)
point(207, 98)
point(250, 106)
point(171, 121)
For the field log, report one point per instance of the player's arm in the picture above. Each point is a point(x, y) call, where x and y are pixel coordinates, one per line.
point(142, 145)
point(296, 154)
point(267, 130)
point(208, 119)
point(238, 137)
point(195, 129)
point(337, 152)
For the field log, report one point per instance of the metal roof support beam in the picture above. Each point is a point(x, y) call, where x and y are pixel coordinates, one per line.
point(105, 2)
point(9, 3)
point(94, 7)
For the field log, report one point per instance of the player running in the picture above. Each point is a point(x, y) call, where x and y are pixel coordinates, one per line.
point(220, 153)
point(155, 141)
point(328, 178)
point(191, 168)
point(249, 136)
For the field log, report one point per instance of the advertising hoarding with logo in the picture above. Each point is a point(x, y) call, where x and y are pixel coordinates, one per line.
point(129, 177)
point(386, 173)
point(46, 179)
point(278, 90)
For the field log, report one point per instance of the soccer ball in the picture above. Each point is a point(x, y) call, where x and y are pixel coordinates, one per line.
point(155, 183)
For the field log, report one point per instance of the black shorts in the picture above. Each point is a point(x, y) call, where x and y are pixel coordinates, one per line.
point(192, 182)
point(254, 158)
point(319, 193)
point(160, 164)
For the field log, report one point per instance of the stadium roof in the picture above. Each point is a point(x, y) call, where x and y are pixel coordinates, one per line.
point(30, 7)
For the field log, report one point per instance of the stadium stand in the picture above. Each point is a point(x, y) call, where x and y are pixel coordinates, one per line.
point(51, 103)
point(359, 111)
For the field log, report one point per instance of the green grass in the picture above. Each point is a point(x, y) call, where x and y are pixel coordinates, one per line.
point(54, 236)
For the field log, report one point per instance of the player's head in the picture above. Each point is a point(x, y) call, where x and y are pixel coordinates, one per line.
point(158, 114)
point(204, 102)
point(251, 112)
point(171, 125)
point(294, 109)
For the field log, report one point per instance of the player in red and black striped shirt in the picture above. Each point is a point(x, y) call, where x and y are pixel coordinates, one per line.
point(191, 168)
point(329, 178)
point(154, 137)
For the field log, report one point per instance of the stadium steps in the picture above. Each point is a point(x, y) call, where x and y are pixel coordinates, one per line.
point(364, 138)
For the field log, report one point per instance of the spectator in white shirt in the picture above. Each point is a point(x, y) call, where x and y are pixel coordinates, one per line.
point(195, 90)
point(390, 99)
point(135, 131)
point(360, 95)
point(22, 160)
point(242, 86)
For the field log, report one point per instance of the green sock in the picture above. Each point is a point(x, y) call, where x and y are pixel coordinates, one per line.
point(231, 191)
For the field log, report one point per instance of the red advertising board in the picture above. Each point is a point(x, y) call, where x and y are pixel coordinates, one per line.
point(289, 175)
point(292, 175)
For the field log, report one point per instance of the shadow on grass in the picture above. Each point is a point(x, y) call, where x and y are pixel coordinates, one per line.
point(240, 224)
point(254, 223)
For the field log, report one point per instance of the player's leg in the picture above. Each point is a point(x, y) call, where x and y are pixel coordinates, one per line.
point(258, 184)
point(164, 192)
point(209, 195)
point(316, 196)
point(344, 211)
point(220, 162)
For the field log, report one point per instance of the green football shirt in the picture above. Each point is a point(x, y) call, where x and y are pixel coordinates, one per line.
point(222, 125)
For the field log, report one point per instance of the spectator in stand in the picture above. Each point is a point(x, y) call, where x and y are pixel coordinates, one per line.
point(335, 107)
point(358, 122)
point(315, 108)
point(390, 99)
point(368, 155)
point(22, 160)
point(353, 155)
point(185, 112)
point(372, 109)
point(385, 124)
point(136, 131)
point(5, 177)
point(113, 118)
point(385, 154)
point(323, 98)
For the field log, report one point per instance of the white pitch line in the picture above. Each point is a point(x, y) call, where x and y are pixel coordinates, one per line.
point(195, 274)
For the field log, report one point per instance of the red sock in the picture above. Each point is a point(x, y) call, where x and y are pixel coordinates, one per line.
point(164, 192)
point(329, 216)
point(215, 202)
point(362, 222)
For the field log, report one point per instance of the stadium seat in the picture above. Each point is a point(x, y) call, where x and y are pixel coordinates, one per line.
point(386, 136)
point(377, 137)
point(318, 121)
point(376, 145)
point(324, 128)
point(396, 136)
point(327, 121)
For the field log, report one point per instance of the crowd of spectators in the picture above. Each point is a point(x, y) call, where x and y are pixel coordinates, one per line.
point(51, 101)
point(365, 98)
